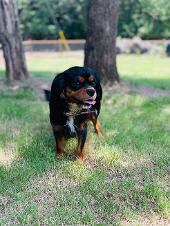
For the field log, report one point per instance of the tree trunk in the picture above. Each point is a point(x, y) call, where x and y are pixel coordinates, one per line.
point(11, 40)
point(100, 51)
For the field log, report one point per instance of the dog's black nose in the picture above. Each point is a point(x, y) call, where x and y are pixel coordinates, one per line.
point(90, 92)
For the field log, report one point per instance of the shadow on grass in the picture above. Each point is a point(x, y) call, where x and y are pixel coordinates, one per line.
point(36, 74)
point(162, 83)
point(104, 189)
point(44, 74)
point(2, 74)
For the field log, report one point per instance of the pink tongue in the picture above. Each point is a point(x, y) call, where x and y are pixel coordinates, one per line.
point(91, 102)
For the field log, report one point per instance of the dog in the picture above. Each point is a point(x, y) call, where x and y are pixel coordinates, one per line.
point(74, 100)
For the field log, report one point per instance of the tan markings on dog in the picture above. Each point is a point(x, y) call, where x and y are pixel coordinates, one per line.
point(60, 146)
point(80, 94)
point(74, 107)
point(81, 79)
point(56, 127)
point(98, 129)
point(68, 91)
point(96, 124)
point(90, 78)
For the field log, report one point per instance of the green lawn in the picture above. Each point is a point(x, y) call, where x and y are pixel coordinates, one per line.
point(148, 70)
point(124, 181)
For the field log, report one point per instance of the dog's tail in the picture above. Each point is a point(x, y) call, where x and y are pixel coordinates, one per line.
point(47, 94)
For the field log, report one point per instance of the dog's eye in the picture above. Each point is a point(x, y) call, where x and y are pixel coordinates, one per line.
point(93, 83)
point(76, 84)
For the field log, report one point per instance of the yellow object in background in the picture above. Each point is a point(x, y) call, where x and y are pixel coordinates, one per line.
point(64, 41)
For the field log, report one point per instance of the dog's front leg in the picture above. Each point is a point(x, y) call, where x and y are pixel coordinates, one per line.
point(59, 138)
point(97, 127)
point(82, 135)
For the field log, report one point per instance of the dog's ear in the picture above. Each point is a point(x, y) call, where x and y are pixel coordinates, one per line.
point(98, 87)
point(57, 87)
point(99, 91)
point(47, 94)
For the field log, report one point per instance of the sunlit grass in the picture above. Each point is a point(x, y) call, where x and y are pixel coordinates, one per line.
point(148, 70)
point(124, 177)
point(124, 180)
point(53, 63)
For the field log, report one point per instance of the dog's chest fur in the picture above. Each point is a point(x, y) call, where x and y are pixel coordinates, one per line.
point(70, 124)
point(73, 109)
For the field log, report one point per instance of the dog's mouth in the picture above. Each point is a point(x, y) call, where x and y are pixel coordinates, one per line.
point(78, 108)
point(88, 103)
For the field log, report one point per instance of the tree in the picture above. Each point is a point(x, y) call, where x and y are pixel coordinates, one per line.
point(130, 19)
point(11, 41)
point(147, 19)
point(100, 52)
point(37, 22)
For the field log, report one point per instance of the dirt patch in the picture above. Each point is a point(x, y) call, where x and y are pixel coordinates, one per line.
point(7, 156)
point(123, 87)
point(144, 220)
point(36, 85)
point(150, 92)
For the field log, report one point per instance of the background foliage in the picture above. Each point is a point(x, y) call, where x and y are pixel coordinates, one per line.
point(39, 17)
point(147, 19)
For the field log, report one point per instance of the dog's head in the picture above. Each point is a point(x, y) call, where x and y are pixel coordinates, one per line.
point(81, 85)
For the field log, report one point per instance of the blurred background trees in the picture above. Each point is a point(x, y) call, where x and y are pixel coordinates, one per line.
point(147, 19)
point(11, 41)
point(37, 22)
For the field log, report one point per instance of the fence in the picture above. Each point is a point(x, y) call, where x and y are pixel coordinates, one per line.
point(58, 45)
point(52, 45)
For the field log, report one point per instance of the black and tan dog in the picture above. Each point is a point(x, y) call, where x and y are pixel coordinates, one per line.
point(74, 100)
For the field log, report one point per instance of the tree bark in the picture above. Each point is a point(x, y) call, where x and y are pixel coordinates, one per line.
point(100, 51)
point(11, 40)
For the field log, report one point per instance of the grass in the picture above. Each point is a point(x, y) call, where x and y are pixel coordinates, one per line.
point(124, 180)
point(148, 70)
